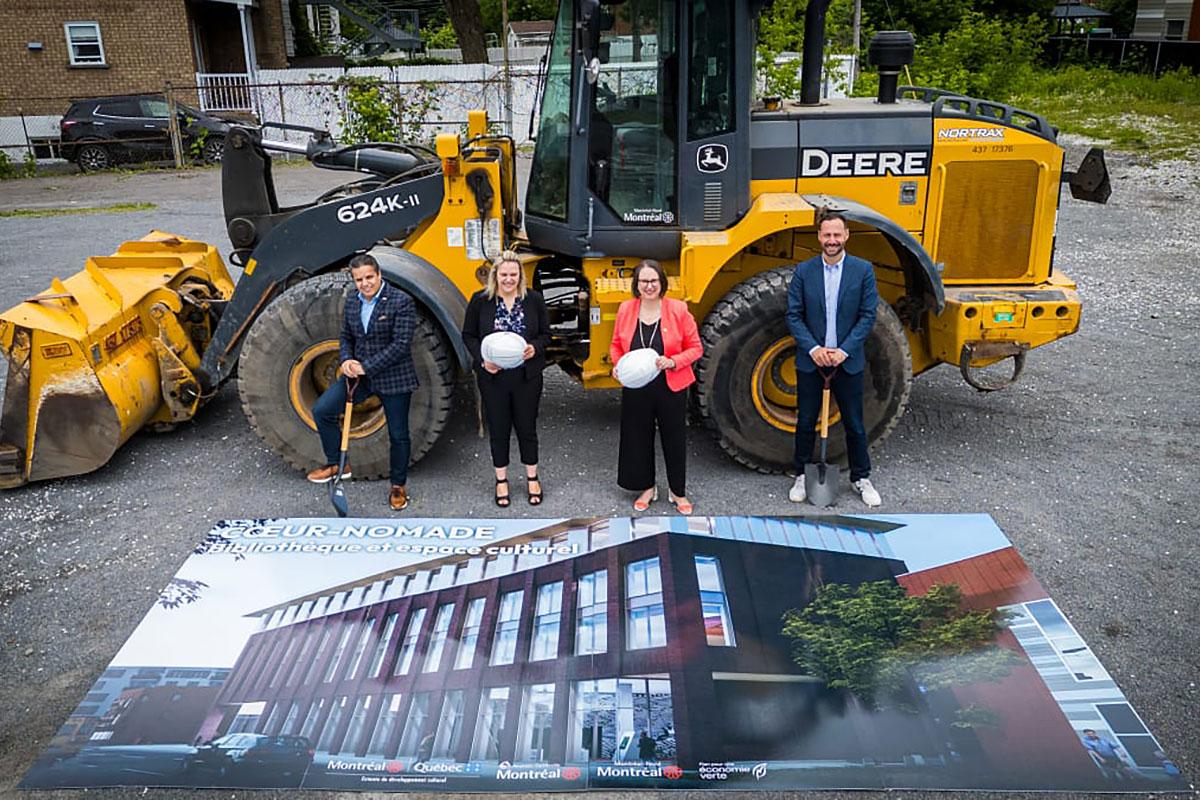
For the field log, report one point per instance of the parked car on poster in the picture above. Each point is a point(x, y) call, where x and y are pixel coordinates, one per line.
point(253, 757)
point(101, 132)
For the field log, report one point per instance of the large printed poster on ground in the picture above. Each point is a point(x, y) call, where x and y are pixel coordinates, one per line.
point(567, 654)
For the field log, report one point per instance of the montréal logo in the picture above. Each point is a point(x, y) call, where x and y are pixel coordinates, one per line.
point(673, 772)
point(571, 773)
point(395, 766)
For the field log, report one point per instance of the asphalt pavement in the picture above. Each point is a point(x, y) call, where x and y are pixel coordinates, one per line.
point(1088, 464)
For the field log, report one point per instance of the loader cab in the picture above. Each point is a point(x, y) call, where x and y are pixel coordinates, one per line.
point(644, 126)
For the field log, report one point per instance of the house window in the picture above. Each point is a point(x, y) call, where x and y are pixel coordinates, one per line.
point(404, 662)
point(546, 622)
point(449, 730)
point(591, 631)
point(504, 648)
point(493, 710)
point(537, 712)
point(644, 605)
point(385, 639)
point(441, 627)
point(717, 626)
point(385, 725)
point(465, 656)
point(410, 742)
point(84, 44)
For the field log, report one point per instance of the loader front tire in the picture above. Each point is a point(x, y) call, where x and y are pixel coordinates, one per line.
point(290, 357)
point(746, 379)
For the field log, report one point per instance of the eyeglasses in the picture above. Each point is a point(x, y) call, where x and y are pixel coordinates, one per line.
point(648, 281)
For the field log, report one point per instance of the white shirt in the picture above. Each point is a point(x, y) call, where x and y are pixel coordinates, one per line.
point(833, 284)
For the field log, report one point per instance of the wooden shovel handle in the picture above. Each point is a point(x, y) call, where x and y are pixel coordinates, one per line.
point(824, 414)
point(351, 385)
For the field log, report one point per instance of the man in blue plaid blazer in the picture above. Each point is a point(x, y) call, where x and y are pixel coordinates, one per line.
point(376, 348)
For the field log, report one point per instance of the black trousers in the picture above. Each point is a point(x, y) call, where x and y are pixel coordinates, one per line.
point(510, 400)
point(642, 411)
point(847, 389)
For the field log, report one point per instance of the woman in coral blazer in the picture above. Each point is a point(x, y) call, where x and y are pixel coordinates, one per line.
point(651, 320)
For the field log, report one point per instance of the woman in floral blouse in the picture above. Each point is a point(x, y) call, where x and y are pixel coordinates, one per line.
point(510, 396)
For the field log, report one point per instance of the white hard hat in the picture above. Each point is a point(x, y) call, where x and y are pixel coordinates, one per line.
point(504, 349)
point(637, 368)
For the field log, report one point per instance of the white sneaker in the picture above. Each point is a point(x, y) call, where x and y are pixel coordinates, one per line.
point(798, 494)
point(869, 495)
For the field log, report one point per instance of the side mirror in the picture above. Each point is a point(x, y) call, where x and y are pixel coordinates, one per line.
point(592, 71)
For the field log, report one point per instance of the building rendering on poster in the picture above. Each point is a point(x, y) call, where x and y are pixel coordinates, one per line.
point(526, 655)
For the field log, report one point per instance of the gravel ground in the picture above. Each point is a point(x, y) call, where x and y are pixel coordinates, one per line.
point(1087, 464)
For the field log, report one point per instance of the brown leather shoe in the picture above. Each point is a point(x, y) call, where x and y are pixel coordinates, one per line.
point(326, 474)
point(398, 498)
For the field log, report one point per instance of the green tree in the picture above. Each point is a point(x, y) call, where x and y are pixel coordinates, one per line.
point(306, 42)
point(439, 37)
point(781, 30)
point(875, 640)
point(1124, 14)
point(983, 56)
point(518, 10)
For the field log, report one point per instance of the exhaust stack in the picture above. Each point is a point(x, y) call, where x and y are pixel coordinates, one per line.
point(814, 52)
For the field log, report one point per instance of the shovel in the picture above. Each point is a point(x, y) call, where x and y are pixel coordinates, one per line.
point(337, 492)
point(821, 482)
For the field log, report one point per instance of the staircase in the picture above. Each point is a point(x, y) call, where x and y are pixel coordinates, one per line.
point(386, 27)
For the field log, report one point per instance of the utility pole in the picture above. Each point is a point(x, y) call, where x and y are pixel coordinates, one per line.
point(508, 101)
point(857, 37)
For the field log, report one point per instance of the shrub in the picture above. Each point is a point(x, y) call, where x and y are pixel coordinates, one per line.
point(982, 57)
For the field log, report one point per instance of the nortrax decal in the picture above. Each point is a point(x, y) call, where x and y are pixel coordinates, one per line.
point(818, 163)
point(971, 133)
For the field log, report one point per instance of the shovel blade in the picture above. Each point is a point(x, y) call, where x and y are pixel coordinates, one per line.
point(822, 483)
point(337, 496)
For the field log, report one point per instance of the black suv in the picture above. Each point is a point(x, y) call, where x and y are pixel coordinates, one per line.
point(103, 131)
point(253, 757)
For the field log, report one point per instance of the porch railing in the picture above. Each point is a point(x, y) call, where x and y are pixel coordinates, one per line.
point(225, 91)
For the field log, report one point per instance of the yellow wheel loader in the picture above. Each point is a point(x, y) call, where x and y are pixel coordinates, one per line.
point(649, 143)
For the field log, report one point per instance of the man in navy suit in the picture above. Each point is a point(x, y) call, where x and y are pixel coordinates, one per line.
point(832, 340)
point(376, 348)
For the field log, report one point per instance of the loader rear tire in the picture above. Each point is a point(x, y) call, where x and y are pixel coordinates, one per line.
point(746, 381)
point(288, 359)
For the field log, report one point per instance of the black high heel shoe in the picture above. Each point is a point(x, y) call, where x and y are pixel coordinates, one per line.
point(535, 498)
point(502, 500)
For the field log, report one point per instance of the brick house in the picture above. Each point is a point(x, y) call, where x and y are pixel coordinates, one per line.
point(52, 51)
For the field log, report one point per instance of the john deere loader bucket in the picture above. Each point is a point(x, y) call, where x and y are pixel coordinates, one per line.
point(107, 351)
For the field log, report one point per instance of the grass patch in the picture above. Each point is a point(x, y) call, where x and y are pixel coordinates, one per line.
point(1157, 117)
point(115, 208)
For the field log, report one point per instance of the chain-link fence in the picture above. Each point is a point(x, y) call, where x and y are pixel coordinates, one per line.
point(350, 106)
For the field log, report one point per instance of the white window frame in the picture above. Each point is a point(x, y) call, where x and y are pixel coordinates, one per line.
point(75, 62)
